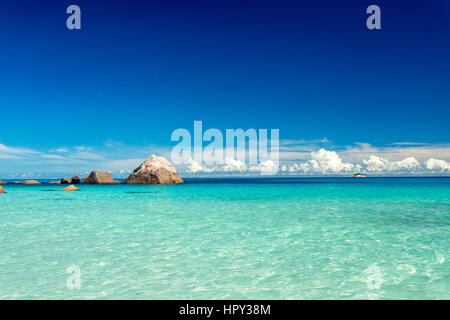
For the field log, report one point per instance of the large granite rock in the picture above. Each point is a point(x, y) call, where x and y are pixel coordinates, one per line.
point(155, 170)
point(3, 182)
point(99, 177)
point(2, 190)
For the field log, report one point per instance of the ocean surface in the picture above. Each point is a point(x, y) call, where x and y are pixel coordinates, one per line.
point(292, 238)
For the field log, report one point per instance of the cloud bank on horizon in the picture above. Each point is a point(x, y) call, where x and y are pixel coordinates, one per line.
point(297, 158)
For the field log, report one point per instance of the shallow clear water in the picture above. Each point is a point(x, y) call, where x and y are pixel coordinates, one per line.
point(245, 239)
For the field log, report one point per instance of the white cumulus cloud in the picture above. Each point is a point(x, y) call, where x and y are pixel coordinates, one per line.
point(233, 165)
point(379, 164)
point(322, 162)
point(195, 167)
point(435, 164)
point(329, 162)
point(267, 167)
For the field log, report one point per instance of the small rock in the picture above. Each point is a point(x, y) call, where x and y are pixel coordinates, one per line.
point(70, 188)
point(3, 182)
point(2, 190)
point(32, 182)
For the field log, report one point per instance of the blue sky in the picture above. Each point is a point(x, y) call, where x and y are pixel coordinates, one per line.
point(110, 94)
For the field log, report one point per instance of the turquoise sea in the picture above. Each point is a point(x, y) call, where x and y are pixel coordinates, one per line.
point(291, 238)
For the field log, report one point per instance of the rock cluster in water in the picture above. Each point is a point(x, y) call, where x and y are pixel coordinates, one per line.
point(155, 170)
point(73, 180)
